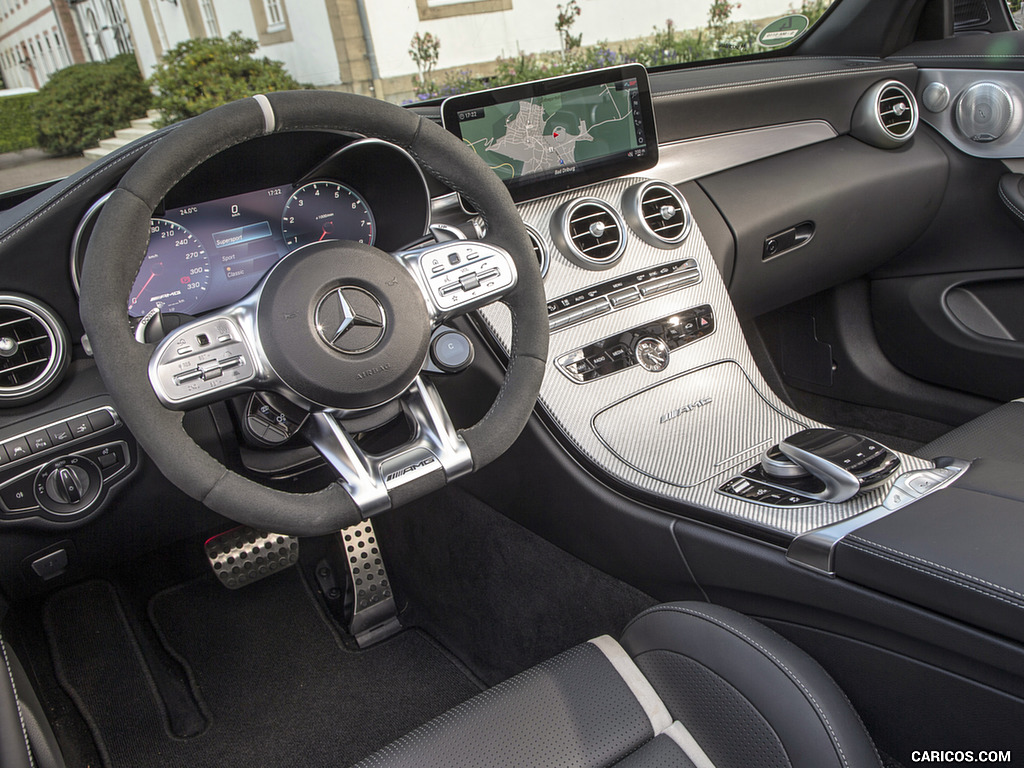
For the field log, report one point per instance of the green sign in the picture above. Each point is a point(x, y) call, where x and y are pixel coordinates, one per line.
point(783, 31)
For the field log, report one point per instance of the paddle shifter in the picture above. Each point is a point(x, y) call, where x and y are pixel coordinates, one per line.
point(846, 463)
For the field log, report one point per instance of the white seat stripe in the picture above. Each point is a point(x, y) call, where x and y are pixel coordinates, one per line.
point(684, 739)
point(634, 678)
point(657, 712)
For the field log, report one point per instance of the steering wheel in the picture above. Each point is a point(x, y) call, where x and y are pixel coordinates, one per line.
point(338, 328)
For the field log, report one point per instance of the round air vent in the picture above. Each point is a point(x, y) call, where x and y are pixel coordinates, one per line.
point(984, 112)
point(33, 349)
point(886, 115)
point(540, 250)
point(658, 213)
point(589, 232)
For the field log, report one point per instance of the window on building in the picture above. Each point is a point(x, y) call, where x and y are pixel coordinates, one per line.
point(158, 21)
point(275, 15)
point(209, 18)
point(50, 53)
point(62, 54)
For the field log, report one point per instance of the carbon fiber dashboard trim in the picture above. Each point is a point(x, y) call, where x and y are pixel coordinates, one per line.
point(713, 440)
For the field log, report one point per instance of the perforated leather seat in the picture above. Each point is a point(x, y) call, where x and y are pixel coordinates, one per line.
point(688, 685)
point(996, 434)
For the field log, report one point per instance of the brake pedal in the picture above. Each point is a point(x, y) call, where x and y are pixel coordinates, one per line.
point(374, 612)
point(243, 555)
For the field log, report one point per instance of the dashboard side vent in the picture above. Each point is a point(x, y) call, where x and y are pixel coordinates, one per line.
point(658, 213)
point(589, 232)
point(540, 250)
point(886, 115)
point(33, 349)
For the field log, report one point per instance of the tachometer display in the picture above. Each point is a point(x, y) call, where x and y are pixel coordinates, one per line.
point(326, 210)
point(175, 273)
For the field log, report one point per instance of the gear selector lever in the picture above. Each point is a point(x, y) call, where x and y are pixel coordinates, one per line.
point(846, 463)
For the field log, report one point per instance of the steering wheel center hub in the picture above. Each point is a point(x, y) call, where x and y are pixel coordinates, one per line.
point(343, 324)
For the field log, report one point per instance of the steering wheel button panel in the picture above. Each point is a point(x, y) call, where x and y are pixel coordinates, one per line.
point(463, 276)
point(183, 370)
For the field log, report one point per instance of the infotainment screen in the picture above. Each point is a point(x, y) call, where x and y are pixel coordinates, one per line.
point(551, 135)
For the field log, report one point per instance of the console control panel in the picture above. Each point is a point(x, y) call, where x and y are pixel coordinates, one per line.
point(754, 490)
point(621, 292)
point(68, 469)
point(647, 345)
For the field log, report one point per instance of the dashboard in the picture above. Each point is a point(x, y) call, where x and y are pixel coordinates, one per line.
point(208, 252)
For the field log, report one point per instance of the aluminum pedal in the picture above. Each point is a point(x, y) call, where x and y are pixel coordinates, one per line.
point(243, 555)
point(374, 613)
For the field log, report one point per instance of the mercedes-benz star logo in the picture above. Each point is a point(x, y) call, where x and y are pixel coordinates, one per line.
point(350, 320)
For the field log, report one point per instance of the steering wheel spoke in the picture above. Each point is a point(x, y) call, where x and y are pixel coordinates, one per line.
point(209, 359)
point(374, 480)
point(460, 275)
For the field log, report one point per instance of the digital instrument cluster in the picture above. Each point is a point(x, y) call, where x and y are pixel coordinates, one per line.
point(211, 254)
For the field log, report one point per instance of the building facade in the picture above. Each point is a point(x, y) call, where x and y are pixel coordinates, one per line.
point(363, 45)
point(40, 37)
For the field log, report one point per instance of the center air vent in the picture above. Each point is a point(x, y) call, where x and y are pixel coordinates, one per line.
point(540, 250)
point(658, 213)
point(33, 349)
point(589, 232)
point(885, 116)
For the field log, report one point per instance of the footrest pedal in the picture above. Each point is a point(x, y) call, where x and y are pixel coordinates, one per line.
point(244, 555)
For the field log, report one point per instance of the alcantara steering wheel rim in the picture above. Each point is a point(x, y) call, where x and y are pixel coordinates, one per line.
point(118, 246)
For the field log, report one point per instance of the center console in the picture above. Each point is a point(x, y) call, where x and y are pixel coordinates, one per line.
point(651, 380)
point(649, 377)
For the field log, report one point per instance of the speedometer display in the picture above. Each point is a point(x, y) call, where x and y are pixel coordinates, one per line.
point(326, 210)
point(175, 273)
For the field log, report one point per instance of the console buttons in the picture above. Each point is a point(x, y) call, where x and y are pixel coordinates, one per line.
point(101, 420)
point(3, 455)
point(751, 490)
point(17, 448)
point(111, 459)
point(665, 284)
point(60, 433)
point(39, 441)
point(17, 495)
point(579, 367)
point(80, 426)
point(624, 298)
point(625, 290)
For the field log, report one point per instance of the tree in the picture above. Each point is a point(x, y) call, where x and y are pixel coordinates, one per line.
point(197, 75)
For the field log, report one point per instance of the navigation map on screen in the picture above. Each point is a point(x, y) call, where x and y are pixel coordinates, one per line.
point(551, 135)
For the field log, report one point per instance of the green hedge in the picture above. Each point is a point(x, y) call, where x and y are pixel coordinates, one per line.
point(17, 122)
point(84, 103)
point(197, 75)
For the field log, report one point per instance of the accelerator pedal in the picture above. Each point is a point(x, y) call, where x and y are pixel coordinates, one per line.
point(243, 555)
point(374, 613)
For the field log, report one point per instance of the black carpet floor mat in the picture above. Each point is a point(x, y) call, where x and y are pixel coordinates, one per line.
point(268, 671)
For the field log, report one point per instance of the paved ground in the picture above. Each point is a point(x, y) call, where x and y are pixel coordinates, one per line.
point(30, 166)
